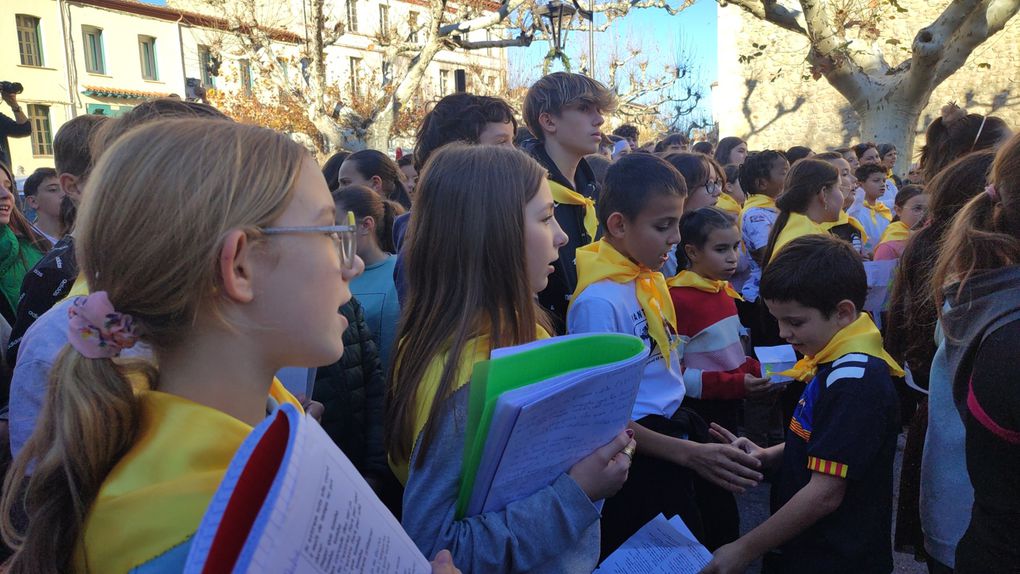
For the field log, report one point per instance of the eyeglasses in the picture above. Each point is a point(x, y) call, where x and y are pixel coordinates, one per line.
point(713, 188)
point(343, 235)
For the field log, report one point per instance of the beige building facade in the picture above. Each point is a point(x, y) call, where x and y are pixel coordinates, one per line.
point(771, 100)
point(106, 56)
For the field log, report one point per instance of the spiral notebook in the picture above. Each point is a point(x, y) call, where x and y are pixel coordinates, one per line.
point(292, 502)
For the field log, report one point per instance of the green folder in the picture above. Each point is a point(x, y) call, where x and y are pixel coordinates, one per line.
point(490, 379)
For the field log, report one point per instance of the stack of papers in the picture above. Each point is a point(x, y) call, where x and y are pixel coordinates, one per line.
point(660, 547)
point(536, 410)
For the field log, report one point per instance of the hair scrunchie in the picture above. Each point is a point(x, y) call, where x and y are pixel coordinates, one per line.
point(993, 193)
point(96, 330)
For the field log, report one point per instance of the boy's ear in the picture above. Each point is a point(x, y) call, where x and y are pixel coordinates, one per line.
point(548, 122)
point(32, 202)
point(846, 313)
point(761, 184)
point(616, 225)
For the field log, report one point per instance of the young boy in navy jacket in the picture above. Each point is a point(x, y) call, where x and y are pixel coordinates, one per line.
point(833, 509)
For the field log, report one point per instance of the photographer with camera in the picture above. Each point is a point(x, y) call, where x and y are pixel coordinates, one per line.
point(18, 127)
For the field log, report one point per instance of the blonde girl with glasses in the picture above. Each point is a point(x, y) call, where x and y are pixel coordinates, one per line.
point(227, 273)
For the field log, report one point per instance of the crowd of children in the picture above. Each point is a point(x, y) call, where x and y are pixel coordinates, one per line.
point(164, 282)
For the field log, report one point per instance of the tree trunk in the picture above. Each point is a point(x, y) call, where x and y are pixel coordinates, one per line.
point(377, 134)
point(884, 122)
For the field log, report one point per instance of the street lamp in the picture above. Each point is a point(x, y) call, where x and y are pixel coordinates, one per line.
point(556, 14)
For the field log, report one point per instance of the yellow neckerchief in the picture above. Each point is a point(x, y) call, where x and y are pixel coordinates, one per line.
point(567, 196)
point(759, 200)
point(600, 260)
point(877, 209)
point(844, 219)
point(798, 225)
point(728, 204)
point(80, 287)
point(156, 495)
point(688, 278)
point(861, 336)
point(475, 350)
point(896, 231)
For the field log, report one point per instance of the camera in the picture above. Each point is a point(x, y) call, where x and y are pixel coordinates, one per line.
point(11, 88)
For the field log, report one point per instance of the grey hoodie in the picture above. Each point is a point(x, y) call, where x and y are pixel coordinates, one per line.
point(989, 301)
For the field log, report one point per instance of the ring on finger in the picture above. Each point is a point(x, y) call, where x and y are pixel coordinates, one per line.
point(629, 451)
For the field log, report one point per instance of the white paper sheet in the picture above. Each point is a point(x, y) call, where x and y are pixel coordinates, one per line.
point(775, 360)
point(659, 547)
point(323, 518)
point(880, 278)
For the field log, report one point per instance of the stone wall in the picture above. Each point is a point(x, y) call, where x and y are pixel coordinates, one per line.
point(771, 100)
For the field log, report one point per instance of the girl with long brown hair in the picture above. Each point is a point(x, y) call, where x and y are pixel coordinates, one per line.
point(932, 452)
point(977, 277)
point(480, 245)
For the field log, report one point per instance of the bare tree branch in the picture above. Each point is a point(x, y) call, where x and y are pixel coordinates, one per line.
point(482, 22)
point(984, 22)
point(522, 40)
point(772, 11)
point(621, 8)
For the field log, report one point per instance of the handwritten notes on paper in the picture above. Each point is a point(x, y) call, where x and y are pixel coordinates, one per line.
point(660, 547)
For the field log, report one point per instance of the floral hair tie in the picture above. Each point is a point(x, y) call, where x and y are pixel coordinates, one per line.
point(96, 330)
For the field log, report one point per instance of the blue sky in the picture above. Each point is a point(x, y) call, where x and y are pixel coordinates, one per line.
point(651, 29)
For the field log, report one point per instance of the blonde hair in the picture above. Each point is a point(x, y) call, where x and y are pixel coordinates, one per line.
point(562, 90)
point(172, 187)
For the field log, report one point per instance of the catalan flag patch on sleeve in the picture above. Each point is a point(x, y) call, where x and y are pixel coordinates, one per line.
point(826, 466)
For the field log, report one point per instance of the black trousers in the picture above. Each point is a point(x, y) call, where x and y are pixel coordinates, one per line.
point(657, 486)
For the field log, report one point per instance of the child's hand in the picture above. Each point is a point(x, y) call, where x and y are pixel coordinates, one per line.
point(602, 473)
point(727, 559)
point(443, 564)
point(725, 465)
point(721, 434)
point(315, 409)
point(757, 387)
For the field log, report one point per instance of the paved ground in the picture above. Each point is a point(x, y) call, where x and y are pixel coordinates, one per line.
point(754, 509)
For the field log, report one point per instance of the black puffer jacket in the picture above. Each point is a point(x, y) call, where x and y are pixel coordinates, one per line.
point(562, 282)
point(352, 391)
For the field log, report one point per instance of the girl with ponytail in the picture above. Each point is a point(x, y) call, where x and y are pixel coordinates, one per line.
point(811, 197)
point(375, 288)
point(226, 274)
point(376, 170)
point(956, 133)
point(977, 286)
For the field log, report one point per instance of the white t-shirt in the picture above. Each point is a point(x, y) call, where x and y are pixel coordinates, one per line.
point(611, 307)
point(874, 229)
point(755, 227)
